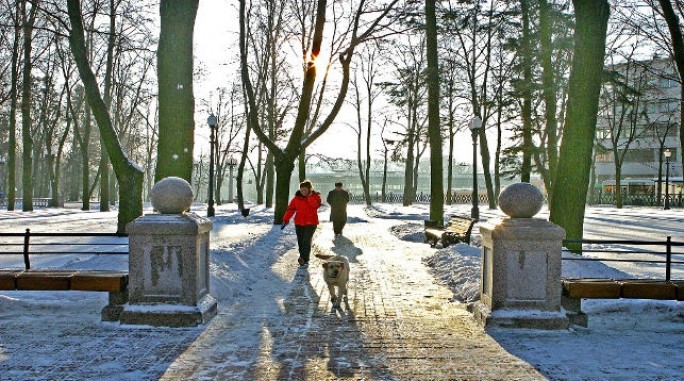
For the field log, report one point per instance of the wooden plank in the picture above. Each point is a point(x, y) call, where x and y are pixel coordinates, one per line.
point(680, 289)
point(591, 288)
point(8, 279)
point(44, 280)
point(102, 280)
point(645, 289)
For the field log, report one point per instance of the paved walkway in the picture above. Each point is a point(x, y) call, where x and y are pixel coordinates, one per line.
point(397, 325)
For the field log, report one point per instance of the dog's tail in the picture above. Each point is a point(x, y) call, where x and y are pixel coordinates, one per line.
point(324, 256)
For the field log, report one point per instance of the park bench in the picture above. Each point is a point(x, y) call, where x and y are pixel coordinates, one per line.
point(574, 290)
point(114, 282)
point(30, 279)
point(458, 229)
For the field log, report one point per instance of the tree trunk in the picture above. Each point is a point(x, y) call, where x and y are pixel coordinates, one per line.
point(104, 159)
point(408, 173)
point(282, 190)
point(301, 165)
point(85, 160)
point(12, 138)
point(241, 169)
point(526, 167)
point(128, 173)
point(484, 153)
point(384, 178)
point(618, 186)
point(26, 133)
point(270, 176)
point(176, 98)
point(568, 201)
point(549, 91)
point(434, 131)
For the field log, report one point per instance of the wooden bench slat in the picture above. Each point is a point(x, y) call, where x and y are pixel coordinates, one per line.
point(680, 289)
point(93, 280)
point(44, 280)
point(591, 288)
point(458, 229)
point(648, 290)
point(8, 279)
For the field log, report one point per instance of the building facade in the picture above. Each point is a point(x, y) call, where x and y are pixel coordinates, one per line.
point(639, 119)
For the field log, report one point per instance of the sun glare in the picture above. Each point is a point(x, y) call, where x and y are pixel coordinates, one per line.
point(320, 62)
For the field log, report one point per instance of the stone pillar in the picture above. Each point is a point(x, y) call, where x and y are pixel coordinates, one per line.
point(169, 262)
point(521, 265)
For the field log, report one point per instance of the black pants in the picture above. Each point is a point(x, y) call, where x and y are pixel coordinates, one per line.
point(338, 224)
point(304, 236)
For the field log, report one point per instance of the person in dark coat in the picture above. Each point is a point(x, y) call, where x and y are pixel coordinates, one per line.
point(338, 199)
point(304, 207)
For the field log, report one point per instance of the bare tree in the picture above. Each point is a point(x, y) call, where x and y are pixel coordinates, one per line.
point(434, 130)
point(368, 82)
point(298, 140)
point(128, 173)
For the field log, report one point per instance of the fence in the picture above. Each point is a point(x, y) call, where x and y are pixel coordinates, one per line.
point(646, 200)
point(37, 202)
point(55, 244)
point(627, 250)
point(420, 198)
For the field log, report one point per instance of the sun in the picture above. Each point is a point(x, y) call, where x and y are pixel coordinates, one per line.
point(319, 62)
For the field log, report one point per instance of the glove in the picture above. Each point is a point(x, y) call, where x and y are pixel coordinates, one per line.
point(283, 225)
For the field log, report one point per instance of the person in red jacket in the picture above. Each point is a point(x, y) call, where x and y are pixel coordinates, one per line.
point(304, 206)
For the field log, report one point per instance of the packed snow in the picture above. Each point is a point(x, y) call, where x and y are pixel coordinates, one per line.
point(625, 340)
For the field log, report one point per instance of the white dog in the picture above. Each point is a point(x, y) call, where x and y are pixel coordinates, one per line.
point(335, 273)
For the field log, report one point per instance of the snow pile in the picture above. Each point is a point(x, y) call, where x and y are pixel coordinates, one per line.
point(458, 267)
point(411, 232)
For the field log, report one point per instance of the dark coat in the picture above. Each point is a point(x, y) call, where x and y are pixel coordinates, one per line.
point(338, 200)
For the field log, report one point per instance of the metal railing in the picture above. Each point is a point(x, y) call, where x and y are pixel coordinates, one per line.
point(45, 246)
point(622, 248)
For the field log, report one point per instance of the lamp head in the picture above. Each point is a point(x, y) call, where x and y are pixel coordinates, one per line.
point(475, 124)
point(211, 121)
point(668, 153)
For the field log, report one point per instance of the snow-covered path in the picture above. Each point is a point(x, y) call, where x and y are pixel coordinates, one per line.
point(397, 324)
point(275, 320)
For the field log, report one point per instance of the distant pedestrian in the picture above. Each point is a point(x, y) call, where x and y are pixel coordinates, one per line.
point(304, 206)
point(338, 199)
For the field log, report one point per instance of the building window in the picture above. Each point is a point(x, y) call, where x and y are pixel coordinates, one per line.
point(639, 155)
point(605, 157)
point(666, 83)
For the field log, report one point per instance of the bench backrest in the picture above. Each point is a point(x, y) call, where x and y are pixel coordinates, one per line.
point(458, 223)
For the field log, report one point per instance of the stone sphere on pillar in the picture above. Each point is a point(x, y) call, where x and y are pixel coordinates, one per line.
point(171, 195)
point(521, 200)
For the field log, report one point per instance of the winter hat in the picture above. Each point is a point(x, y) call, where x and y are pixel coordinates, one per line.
point(306, 184)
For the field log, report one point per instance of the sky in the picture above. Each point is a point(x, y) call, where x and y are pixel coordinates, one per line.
point(58, 335)
point(216, 34)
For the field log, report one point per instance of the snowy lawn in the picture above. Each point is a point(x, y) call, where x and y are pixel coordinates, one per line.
point(626, 339)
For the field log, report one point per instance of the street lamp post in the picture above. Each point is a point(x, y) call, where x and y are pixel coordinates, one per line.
point(213, 123)
point(475, 126)
point(668, 153)
point(232, 162)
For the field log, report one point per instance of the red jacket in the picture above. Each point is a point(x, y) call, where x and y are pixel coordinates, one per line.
point(306, 209)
